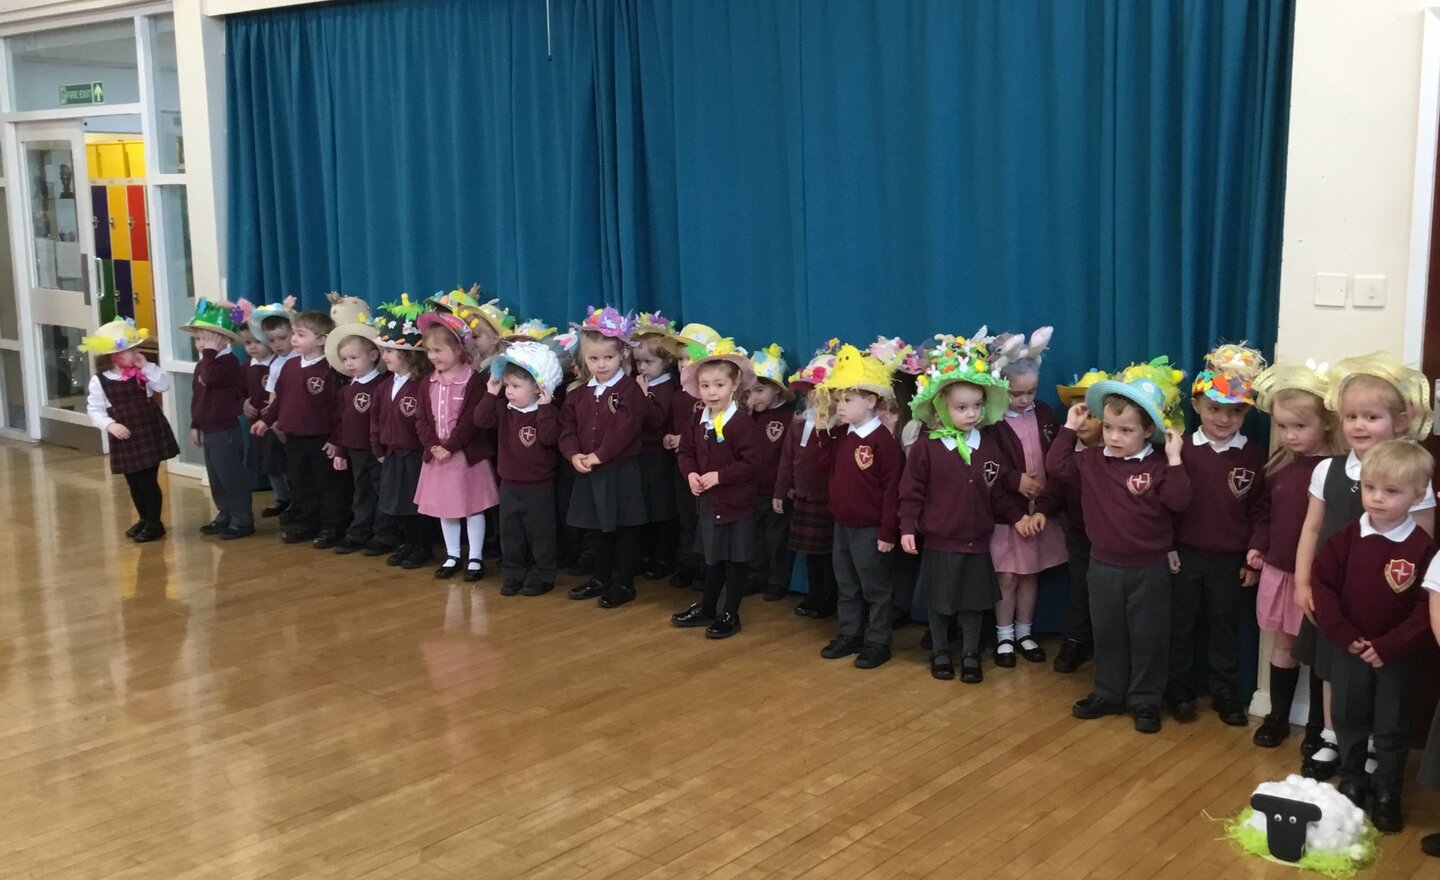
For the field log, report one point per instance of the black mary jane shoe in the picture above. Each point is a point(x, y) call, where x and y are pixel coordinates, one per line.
point(692, 617)
point(1313, 768)
point(616, 596)
point(1005, 659)
point(474, 570)
point(1030, 649)
point(149, 532)
point(1312, 742)
point(213, 527)
point(399, 555)
point(448, 569)
point(1273, 731)
point(591, 589)
point(970, 670)
point(135, 529)
point(725, 626)
point(941, 666)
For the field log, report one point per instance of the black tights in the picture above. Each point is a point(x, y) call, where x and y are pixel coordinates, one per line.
point(617, 556)
point(820, 573)
point(729, 575)
point(941, 626)
point(412, 531)
point(145, 492)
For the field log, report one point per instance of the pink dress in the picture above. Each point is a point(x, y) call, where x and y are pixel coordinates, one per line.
point(453, 488)
point(1011, 553)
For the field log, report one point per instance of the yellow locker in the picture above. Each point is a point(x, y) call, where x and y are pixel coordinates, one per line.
point(119, 222)
point(134, 158)
point(144, 295)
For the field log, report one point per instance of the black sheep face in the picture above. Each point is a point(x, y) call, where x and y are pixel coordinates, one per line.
point(1286, 822)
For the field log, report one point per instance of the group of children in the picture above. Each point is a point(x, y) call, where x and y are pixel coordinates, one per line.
point(931, 477)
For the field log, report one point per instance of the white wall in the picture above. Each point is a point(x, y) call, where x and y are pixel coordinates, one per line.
point(1354, 99)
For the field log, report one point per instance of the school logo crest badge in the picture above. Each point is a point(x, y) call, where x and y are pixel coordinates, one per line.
point(1138, 484)
point(991, 470)
point(407, 407)
point(774, 430)
point(697, 407)
point(362, 402)
point(315, 384)
point(1400, 574)
point(1049, 432)
point(864, 457)
point(1241, 479)
point(614, 402)
point(527, 435)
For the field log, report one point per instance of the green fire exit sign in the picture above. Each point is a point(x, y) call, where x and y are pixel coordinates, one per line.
point(82, 93)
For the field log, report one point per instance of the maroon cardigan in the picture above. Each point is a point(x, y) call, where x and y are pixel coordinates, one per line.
point(478, 443)
point(736, 461)
point(1012, 452)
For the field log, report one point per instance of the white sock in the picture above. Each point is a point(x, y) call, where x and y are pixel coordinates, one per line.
point(475, 532)
point(1023, 630)
point(1329, 751)
point(1002, 633)
point(450, 528)
point(1329, 736)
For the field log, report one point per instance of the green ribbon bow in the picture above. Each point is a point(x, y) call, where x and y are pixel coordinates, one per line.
point(946, 429)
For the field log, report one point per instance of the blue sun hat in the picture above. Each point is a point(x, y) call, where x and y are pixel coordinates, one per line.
point(284, 309)
point(1148, 387)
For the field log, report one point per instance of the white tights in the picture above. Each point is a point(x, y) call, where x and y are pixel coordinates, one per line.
point(475, 532)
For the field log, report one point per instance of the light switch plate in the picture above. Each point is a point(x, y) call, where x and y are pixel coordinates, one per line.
point(1369, 291)
point(1330, 290)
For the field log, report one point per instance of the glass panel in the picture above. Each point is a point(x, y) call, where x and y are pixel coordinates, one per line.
point(67, 368)
point(53, 214)
point(64, 67)
point(179, 276)
point(14, 390)
point(9, 314)
point(169, 141)
point(184, 384)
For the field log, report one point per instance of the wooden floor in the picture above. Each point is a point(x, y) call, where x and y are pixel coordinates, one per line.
point(193, 708)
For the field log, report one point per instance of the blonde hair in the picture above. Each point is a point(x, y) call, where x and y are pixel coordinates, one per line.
point(654, 346)
point(590, 337)
point(1307, 403)
point(1400, 461)
point(1384, 390)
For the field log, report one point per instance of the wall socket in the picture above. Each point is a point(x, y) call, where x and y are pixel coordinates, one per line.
point(1369, 291)
point(1331, 290)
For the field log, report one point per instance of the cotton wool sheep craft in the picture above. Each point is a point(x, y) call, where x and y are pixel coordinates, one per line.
point(1305, 823)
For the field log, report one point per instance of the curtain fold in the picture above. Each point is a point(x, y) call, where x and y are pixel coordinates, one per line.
point(788, 170)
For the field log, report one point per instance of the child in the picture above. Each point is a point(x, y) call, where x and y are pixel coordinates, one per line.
point(488, 322)
point(260, 452)
point(1227, 477)
point(864, 484)
point(1430, 760)
point(951, 496)
point(905, 366)
point(772, 560)
point(1367, 604)
point(520, 407)
point(1025, 434)
point(655, 373)
point(118, 403)
point(720, 457)
point(600, 436)
point(1079, 642)
point(802, 481)
point(351, 349)
point(457, 480)
point(217, 399)
point(305, 407)
point(1130, 545)
point(1377, 398)
point(1294, 396)
point(684, 410)
point(394, 438)
point(270, 325)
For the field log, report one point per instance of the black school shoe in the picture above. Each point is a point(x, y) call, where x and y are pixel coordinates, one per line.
point(233, 533)
point(535, 589)
point(1005, 659)
point(1095, 706)
point(591, 589)
point(617, 595)
point(692, 617)
point(1358, 794)
point(1312, 743)
point(348, 546)
point(1031, 650)
point(327, 540)
point(149, 532)
point(1231, 711)
point(1179, 701)
point(298, 536)
point(135, 529)
point(1273, 731)
point(448, 568)
point(1430, 845)
point(941, 666)
point(1311, 768)
point(419, 557)
point(775, 594)
point(399, 555)
point(275, 509)
point(1147, 718)
point(725, 626)
point(1072, 655)
point(842, 646)
point(474, 570)
point(376, 548)
point(872, 655)
point(213, 527)
point(1387, 815)
point(970, 670)
point(511, 588)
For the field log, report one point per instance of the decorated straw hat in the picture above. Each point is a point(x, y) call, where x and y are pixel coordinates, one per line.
point(608, 322)
point(1310, 377)
point(896, 354)
point(466, 305)
point(1153, 386)
point(691, 334)
point(820, 365)
point(533, 330)
point(535, 358)
point(348, 309)
point(960, 360)
point(722, 349)
point(119, 335)
point(335, 338)
point(1414, 388)
point(1229, 375)
point(218, 316)
point(451, 322)
point(653, 324)
point(397, 324)
point(1075, 392)
point(283, 309)
point(769, 363)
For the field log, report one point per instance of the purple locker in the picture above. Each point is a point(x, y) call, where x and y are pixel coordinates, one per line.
point(100, 209)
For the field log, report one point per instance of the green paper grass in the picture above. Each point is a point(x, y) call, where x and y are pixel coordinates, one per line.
point(1334, 865)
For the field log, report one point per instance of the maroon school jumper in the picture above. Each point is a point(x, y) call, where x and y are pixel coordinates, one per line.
point(525, 440)
point(255, 376)
point(659, 417)
point(358, 403)
point(952, 505)
point(1132, 502)
point(865, 483)
point(392, 427)
point(307, 400)
point(735, 460)
point(803, 480)
point(774, 424)
point(1227, 493)
point(1370, 588)
point(217, 396)
point(608, 425)
point(1278, 525)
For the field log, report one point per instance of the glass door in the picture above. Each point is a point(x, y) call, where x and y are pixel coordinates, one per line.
point(59, 244)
